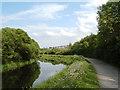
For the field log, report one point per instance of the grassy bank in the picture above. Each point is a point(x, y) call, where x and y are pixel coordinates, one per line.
point(78, 74)
point(64, 59)
point(14, 65)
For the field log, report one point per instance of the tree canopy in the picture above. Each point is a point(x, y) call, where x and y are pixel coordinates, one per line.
point(17, 45)
point(109, 31)
point(106, 44)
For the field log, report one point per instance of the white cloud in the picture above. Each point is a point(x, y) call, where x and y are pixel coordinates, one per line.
point(44, 11)
point(56, 35)
point(35, 34)
point(51, 31)
point(69, 34)
point(61, 31)
point(86, 20)
point(98, 2)
point(87, 23)
point(93, 4)
point(48, 36)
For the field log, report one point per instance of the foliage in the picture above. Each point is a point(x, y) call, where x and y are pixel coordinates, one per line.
point(15, 65)
point(78, 74)
point(109, 32)
point(57, 59)
point(85, 46)
point(64, 52)
point(105, 45)
point(17, 46)
point(55, 51)
point(21, 78)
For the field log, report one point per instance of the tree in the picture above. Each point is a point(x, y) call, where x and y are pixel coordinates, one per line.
point(109, 31)
point(17, 46)
point(86, 46)
point(106, 44)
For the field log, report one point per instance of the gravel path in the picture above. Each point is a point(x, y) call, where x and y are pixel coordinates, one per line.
point(107, 74)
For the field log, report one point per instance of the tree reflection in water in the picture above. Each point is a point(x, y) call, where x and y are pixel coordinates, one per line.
point(22, 77)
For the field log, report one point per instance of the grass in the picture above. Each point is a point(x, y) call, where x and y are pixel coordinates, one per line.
point(78, 74)
point(14, 65)
point(64, 59)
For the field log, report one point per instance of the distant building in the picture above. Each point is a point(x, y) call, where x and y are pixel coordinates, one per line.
point(60, 47)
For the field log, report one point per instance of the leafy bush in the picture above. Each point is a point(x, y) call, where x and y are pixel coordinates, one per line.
point(106, 44)
point(17, 46)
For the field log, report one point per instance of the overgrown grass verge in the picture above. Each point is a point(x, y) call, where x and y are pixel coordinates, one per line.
point(78, 74)
point(14, 65)
point(63, 59)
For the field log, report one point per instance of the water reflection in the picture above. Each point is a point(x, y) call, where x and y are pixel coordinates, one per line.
point(22, 77)
point(30, 75)
point(47, 70)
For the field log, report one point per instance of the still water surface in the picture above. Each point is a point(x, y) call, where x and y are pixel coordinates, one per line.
point(47, 70)
point(30, 75)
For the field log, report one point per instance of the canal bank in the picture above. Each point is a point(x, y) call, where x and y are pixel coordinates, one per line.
point(53, 71)
point(78, 74)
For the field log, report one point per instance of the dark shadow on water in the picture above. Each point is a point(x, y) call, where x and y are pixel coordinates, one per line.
point(22, 77)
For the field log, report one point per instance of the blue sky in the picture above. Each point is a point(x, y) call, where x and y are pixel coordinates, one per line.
point(12, 8)
point(54, 23)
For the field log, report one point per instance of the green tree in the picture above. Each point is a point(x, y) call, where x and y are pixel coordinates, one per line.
point(86, 46)
point(109, 31)
point(17, 45)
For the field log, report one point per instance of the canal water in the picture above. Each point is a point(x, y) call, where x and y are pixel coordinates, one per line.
point(47, 70)
point(30, 75)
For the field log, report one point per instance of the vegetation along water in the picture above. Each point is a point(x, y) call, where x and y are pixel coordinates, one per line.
point(21, 54)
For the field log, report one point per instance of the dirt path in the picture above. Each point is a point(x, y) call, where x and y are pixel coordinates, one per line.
point(107, 74)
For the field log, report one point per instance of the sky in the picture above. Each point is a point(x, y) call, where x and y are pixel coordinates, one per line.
point(52, 23)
